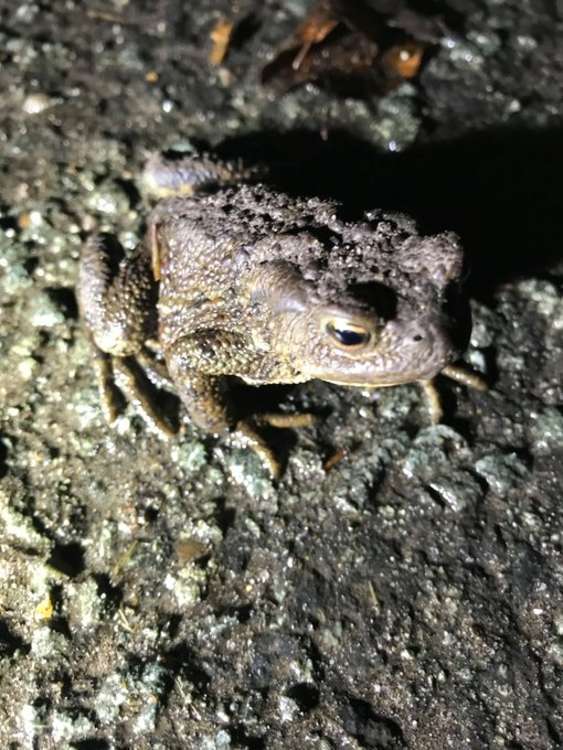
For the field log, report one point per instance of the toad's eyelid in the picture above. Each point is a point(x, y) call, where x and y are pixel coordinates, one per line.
point(348, 333)
point(344, 322)
point(352, 322)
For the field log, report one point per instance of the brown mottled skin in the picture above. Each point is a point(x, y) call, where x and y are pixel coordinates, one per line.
point(253, 283)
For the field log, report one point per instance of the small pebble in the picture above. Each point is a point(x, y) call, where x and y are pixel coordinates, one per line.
point(34, 104)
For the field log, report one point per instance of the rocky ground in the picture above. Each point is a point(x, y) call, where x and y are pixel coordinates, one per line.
point(400, 587)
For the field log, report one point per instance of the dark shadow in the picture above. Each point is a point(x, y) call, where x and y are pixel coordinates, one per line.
point(10, 642)
point(498, 189)
point(306, 695)
point(68, 559)
point(224, 516)
point(371, 729)
point(3, 459)
point(65, 299)
point(130, 190)
point(182, 661)
point(271, 398)
point(91, 744)
point(244, 30)
point(110, 595)
point(243, 740)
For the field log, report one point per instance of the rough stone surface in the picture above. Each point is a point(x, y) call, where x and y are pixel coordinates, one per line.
point(157, 595)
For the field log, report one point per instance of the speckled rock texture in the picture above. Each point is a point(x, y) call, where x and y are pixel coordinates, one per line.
point(400, 587)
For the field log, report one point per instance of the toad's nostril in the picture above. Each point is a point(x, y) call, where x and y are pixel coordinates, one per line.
point(418, 337)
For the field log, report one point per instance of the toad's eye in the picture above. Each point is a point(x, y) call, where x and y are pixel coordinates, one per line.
point(347, 334)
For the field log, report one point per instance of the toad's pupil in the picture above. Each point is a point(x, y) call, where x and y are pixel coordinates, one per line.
point(348, 337)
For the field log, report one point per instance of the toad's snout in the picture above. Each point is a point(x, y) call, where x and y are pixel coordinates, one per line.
point(418, 349)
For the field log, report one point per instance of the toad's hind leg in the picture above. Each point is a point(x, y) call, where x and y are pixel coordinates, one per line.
point(117, 300)
point(117, 296)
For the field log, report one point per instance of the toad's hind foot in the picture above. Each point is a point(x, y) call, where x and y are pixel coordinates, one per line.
point(166, 177)
point(110, 397)
point(132, 381)
point(155, 370)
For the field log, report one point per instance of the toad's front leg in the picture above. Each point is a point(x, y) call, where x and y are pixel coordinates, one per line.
point(207, 401)
point(197, 364)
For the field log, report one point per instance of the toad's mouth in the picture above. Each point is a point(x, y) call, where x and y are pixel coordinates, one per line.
point(387, 381)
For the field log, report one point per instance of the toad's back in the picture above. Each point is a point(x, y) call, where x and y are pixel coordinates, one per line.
point(209, 245)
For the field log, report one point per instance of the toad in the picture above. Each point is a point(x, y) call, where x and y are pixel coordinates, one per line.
point(234, 279)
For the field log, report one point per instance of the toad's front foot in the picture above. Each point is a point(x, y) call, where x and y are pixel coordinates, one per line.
point(256, 442)
point(463, 376)
point(454, 372)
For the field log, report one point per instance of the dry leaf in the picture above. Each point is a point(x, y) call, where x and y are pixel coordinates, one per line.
point(221, 35)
